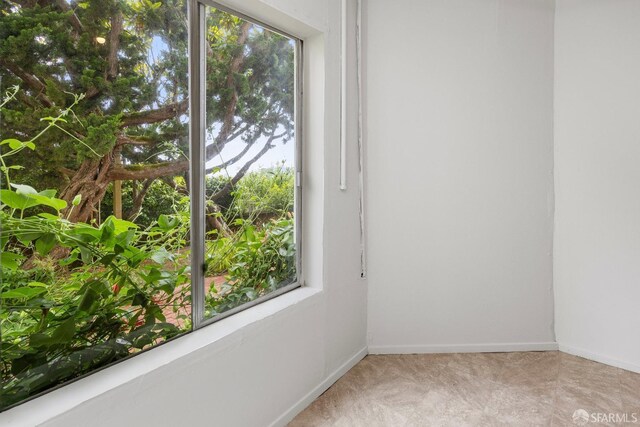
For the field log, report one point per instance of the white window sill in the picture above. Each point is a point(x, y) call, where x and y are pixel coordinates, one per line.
point(62, 400)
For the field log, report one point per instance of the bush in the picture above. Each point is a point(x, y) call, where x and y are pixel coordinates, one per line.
point(259, 261)
point(74, 296)
point(268, 192)
point(161, 199)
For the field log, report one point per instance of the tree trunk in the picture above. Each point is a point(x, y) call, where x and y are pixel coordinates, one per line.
point(138, 199)
point(215, 221)
point(90, 182)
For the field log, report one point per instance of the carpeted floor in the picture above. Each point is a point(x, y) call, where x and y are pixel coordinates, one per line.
point(479, 389)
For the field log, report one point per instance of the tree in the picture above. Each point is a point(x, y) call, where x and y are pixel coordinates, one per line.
point(128, 61)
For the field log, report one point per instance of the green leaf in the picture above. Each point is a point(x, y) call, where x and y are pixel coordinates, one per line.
point(24, 189)
point(48, 193)
point(49, 216)
point(167, 223)
point(121, 225)
point(15, 200)
point(16, 144)
point(26, 292)
point(9, 260)
point(107, 259)
point(39, 340)
point(88, 299)
point(26, 197)
point(38, 285)
point(53, 119)
point(124, 239)
point(45, 243)
point(161, 256)
point(107, 231)
point(87, 230)
point(26, 237)
point(12, 167)
point(85, 254)
point(64, 332)
point(62, 335)
point(12, 142)
point(57, 204)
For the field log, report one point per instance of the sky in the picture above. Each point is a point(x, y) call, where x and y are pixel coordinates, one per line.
point(279, 154)
point(275, 156)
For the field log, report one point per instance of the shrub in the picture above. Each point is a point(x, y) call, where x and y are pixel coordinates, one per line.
point(259, 261)
point(267, 192)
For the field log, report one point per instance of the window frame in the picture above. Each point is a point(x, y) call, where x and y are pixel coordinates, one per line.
point(197, 135)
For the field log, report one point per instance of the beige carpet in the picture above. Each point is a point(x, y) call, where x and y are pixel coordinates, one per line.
point(481, 389)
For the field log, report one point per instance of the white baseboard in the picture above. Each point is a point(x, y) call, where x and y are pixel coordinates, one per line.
point(580, 352)
point(283, 419)
point(462, 348)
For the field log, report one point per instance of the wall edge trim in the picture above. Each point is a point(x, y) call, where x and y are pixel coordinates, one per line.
point(463, 348)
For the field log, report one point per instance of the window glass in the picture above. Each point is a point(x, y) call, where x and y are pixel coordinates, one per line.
point(251, 158)
point(95, 179)
point(95, 209)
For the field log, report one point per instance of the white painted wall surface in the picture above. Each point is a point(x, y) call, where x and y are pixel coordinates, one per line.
point(285, 352)
point(597, 240)
point(460, 183)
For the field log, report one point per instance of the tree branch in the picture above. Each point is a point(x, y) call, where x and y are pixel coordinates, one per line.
point(138, 199)
point(228, 187)
point(114, 45)
point(240, 155)
point(133, 140)
point(158, 115)
point(30, 80)
point(214, 149)
point(142, 172)
point(228, 123)
point(75, 22)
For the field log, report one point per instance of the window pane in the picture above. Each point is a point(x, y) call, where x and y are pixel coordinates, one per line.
point(250, 149)
point(94, 216)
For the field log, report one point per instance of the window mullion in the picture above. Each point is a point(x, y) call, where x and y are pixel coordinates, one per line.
point(197, 105)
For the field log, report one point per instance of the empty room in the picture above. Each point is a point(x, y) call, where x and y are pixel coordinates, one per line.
point(319, 213)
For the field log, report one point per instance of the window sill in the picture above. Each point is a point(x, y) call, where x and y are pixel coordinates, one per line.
point(57, 402)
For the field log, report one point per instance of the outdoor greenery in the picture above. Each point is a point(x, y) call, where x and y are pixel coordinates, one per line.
point(94, 183)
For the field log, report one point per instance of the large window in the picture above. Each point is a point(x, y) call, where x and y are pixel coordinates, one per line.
point(149, 178)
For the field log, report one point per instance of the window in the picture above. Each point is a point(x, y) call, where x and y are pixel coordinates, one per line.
point(249, 164)
point(136, 205)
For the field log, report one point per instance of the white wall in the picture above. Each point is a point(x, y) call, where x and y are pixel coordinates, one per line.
point(460, 184)
point(278, 359)
point(597, 240)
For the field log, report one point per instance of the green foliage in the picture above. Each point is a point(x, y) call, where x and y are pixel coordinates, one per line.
point(112, 297)
point(106, 297)
point(267, 192)
point(259, 256)
point(69, 52)
point(161, 199)
point(249, 81)
point(108, 289)
point(77, 296)
point(258, 261)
